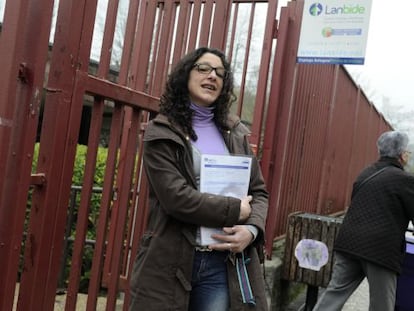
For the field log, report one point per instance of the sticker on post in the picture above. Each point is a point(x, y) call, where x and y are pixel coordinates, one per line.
point(311, 254)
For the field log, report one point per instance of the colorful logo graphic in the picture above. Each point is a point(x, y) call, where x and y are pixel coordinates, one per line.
point(327, 32)
point(315, 9)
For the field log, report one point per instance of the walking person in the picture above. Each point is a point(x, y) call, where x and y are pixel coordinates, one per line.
point(371, 240)
point(173, 270)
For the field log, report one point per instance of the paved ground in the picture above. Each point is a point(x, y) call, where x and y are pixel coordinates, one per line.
point(82, 301)
point(60, 301)
point(359, 301)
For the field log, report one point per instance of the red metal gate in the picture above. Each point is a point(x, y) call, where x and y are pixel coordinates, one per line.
point(120, 83)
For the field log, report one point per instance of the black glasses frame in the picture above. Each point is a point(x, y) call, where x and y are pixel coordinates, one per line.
point(207, 69)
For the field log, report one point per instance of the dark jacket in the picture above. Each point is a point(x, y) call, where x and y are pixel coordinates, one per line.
point(161, 277)
point(375, 224)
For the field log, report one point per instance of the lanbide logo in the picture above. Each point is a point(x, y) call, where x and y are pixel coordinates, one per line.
point(315, 9)
point(345, 9)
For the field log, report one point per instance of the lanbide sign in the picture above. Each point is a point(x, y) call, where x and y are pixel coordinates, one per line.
point(334, 32)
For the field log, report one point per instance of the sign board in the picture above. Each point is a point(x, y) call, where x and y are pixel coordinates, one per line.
point(334, 32)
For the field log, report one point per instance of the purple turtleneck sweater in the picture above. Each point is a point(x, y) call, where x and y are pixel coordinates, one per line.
point(210, 140)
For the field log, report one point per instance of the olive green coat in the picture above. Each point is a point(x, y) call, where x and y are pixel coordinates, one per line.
point(161, 277)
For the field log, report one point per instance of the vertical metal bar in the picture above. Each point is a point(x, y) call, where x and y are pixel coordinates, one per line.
point(277, 137)
point(155, 46)
point(192, 42)
point(107, 194)
point(87, 17)
point(206, 23)
point(108, 38)
point(59, 136)
point(136, 194)
point(11, 49)
point(11, 216)
point(23, 50)
point(220, 24)
point(274, 99)
point(134, 7)
point(69, 222)
point(155, 49)
point(167, 57)
point(83, 211)
point(162, 52)
point(246, 61)
point(233, 31)
point(141, 57)
point(181, 32)
point(261, 96)
point(126, 167)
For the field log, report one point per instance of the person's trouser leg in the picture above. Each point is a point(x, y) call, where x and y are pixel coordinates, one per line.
point(209, 281)
point(347, 274)
point(382, 287)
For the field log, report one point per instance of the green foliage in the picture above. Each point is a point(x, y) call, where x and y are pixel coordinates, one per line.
point(35, 156)
point(73, 206)
point(77, 180)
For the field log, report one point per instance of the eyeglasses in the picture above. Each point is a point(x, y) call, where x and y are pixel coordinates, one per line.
point(206, 69)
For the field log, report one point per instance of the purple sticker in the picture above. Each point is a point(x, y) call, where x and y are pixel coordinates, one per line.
point(311, 254)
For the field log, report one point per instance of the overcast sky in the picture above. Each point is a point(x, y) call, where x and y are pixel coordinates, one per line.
point(388, 64)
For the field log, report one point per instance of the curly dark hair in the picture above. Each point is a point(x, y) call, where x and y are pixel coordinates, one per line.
point(175, 101)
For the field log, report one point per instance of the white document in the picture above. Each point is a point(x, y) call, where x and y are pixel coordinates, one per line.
point(225, 175)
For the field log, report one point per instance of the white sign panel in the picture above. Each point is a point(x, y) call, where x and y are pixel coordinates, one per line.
point(334, 32)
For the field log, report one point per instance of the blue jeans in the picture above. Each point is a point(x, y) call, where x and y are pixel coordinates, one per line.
point(209, 282)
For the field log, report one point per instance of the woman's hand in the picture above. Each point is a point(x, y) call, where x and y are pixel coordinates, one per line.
point(245, 208)
point(235, 240)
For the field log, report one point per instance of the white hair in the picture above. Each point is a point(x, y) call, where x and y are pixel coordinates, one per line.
point(392, 144)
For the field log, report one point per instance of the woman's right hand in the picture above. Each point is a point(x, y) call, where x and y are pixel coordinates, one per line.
point(245, 208)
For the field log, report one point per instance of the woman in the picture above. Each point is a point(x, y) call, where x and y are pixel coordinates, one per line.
point(172, 270)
